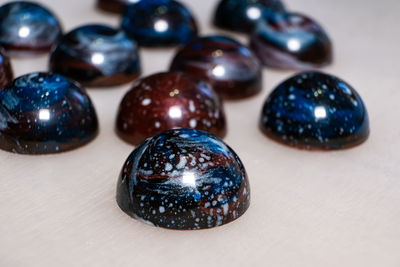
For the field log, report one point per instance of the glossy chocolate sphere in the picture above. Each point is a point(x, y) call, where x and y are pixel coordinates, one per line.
point(159, 23)
point(230, 67)
point(27, 28)
point(96, 55)
point(184, 179)
point(291, 41)
point(166, 101)
point(313, 110)
point(43, 113)
point(243, 15)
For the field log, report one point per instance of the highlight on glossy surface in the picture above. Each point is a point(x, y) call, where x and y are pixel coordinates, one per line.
point(6, 72)
point(42, 113)
point(313, 110)
point(157, 23)
point(184, 179)
point(96, 55)
point(243, 15)
point(230, 67)
point(27, 28)
point(291, 41)
point(114, 6)
point(166, 101)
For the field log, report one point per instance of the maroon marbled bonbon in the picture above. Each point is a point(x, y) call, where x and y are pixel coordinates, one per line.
point(114, 6)
point(230, 67)
point(291, 41)
point(166, 101)
point(6, 73)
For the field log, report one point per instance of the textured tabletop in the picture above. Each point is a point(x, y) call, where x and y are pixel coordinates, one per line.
point(307, 208)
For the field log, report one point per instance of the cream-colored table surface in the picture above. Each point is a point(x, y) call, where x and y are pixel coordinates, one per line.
point(308, 208)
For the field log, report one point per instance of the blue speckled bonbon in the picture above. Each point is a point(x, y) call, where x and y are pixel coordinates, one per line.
point(291, 41)
point(27, 28)
point(96, 55)
point(313, 110)
point(43, 113)
point(159, 23)
point(184, 179)
point(243, 15)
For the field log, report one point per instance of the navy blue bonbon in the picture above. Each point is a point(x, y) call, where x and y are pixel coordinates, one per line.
point(313, 110)
point(184, 179)
point(157, 23)
point(42, 113)
point(243, 15)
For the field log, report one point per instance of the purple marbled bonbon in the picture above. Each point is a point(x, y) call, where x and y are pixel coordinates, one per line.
point(230, 67)
point(96, 55)
point(291, 41)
